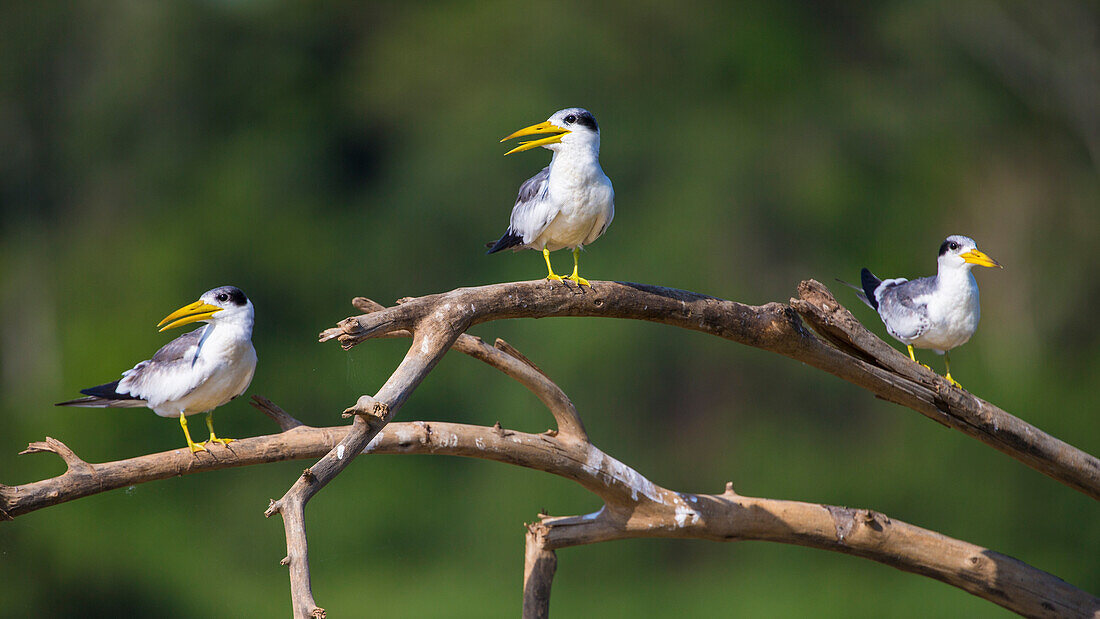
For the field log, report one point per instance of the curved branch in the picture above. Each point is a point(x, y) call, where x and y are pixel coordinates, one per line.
point(863, 360)
point(635, 507)
point(432, 336)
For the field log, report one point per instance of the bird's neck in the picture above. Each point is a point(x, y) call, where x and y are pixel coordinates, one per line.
point(226, 333)
point(957, 281)
point(580, 161)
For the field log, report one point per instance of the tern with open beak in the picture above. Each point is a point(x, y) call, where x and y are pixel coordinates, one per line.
point(570, 203)
point(194, 373)
point(938, 312)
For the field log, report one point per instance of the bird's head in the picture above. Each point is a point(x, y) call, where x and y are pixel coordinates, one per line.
point(958, 251)
point(572, 126)
point(222, 304)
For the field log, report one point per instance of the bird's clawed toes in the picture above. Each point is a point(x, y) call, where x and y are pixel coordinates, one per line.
point(554, 278)
point(580, 280)
point(221, 441)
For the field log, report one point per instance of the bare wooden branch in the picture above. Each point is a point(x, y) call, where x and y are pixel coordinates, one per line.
point(539, 565)
point(775, 327)
point(73, 463)
point(433, 334)
point(956, 408)
point(278, 415)
point(635, 507)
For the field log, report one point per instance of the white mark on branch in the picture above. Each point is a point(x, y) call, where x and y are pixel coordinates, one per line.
point(480, 443)
point(683, 513)
point(339, 452)
point(374, 442)
point(608, 469)
point(404, 436)
point(593, 462)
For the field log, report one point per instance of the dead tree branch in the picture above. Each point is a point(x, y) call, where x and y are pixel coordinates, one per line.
point(848, 351)
point(633, 506)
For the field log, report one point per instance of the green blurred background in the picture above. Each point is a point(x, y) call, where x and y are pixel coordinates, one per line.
point(311, 152)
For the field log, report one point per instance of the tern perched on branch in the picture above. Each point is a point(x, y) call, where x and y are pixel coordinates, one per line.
point(570, 203)
point(194, 373)
point(938, 312)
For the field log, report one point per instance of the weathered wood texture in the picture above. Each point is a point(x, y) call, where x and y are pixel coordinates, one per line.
point(634, 506)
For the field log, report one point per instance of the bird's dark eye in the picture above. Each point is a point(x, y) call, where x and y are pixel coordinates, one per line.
point(954, 246)
point(222, 297)
point(570, 119)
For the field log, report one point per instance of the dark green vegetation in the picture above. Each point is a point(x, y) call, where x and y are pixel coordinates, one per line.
point(309, 153)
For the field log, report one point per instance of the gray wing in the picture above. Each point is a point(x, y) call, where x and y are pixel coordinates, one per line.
point(903, 307)
point(532, 212)
point(166, 376)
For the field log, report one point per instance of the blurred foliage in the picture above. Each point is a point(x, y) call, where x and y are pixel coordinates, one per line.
point(310, 152)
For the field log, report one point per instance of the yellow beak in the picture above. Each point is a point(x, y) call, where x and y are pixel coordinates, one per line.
point(545, 127)
point(976, 257)
point(194, 312)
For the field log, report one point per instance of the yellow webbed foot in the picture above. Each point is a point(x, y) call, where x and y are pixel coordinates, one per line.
point(213, 437)
point(192, 445)
point(576, 265)
point(954, 383)
point(549, 269)
point(580, 280)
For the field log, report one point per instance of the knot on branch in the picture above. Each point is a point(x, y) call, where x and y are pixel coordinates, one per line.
point(73, 462)
point(274, 507)
point(833, 322)
point(537, 531)
point(850, 522)
point(372, 411)
point(317, 613)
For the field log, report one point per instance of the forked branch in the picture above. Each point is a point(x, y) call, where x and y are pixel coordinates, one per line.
point(633, 505)
point(846, 350)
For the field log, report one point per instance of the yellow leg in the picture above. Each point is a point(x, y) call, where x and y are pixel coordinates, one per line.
point(550, 269)
point(914, 358)
point(947, 363)
point(192, 445)
point(213, 438)
point(576, 260)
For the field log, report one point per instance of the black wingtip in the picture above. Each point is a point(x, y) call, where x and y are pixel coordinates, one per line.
point(870, 283)
point(510, 239)
point(107, 392)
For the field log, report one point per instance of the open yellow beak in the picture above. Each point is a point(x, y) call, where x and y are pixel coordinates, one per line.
point(194, 312)
point(976, 257)
point(545, 127)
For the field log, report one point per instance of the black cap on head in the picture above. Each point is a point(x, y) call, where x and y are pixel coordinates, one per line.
point(229, 294)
